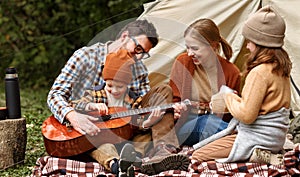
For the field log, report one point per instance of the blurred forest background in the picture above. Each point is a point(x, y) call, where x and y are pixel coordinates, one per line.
point(38, 37)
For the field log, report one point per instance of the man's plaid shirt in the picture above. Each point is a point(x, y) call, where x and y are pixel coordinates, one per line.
point(83, 71)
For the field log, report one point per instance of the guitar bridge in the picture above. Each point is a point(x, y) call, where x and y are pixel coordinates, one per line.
point(69, 126)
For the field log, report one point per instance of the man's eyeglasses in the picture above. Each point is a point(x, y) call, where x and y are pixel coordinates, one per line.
point(139, 49)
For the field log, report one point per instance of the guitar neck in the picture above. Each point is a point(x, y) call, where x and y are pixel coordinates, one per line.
point(139, 111)
point(132, 112)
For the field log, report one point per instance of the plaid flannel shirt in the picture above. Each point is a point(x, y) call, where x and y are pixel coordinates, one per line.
point(84, 70)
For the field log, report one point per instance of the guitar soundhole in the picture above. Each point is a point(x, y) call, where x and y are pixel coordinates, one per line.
point(104, 118)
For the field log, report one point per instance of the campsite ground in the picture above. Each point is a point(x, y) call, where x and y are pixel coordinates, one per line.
point(35, 110)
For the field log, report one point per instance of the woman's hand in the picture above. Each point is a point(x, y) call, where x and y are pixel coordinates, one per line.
point(83, 123)
point(178, 107)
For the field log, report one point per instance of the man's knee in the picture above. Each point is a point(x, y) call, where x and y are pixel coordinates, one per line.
point(165, 90)
point(158, 95)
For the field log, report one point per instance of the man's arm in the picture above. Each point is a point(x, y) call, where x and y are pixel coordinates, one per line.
point(63, 87)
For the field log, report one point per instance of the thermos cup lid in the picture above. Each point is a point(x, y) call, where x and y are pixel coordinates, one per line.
point(11, 70)
point(11, 73)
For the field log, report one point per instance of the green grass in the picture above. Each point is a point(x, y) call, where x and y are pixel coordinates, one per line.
point(35, 111)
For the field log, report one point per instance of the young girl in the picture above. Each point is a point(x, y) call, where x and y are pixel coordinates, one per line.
point(262, 112)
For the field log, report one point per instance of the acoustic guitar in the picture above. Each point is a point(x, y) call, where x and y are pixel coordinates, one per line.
point(64, 141)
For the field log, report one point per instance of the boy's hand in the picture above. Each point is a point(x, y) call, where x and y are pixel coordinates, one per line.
point(100, 107)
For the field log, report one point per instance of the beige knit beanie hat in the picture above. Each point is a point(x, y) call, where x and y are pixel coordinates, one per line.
point(265, 27)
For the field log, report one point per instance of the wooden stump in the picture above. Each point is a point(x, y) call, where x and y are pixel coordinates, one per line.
point(13, 139)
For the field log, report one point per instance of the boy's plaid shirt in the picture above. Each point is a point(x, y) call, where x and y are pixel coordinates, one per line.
point(98, 95)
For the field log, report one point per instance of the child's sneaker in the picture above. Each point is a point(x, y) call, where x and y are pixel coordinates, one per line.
point(265, 156)
point(115, 167)
point(127, 159)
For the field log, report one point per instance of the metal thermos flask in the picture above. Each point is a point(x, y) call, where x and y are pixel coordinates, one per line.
point(12, 94)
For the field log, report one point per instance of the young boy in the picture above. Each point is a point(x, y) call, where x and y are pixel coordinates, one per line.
point(114, 92)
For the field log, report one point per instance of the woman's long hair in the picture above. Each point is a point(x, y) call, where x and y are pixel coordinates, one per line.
point(277, 56)
point(208, 32)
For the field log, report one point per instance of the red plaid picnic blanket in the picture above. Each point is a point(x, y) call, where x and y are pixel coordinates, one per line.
point(54, 167)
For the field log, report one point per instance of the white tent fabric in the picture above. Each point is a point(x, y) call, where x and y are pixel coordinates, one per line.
point(171, 17)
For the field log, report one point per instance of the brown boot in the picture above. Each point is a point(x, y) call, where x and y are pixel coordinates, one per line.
point(163, 158)
point(162, 149)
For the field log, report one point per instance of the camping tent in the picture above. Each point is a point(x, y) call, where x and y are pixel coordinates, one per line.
point(172, 17)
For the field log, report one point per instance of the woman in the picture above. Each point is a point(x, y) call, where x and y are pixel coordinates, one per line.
point(198, 74)
point(265, 99)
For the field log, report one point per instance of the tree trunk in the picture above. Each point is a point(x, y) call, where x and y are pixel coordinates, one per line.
point(13, 139)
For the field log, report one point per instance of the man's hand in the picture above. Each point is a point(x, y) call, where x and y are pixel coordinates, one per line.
point(155, 116)
point(178, 107)
point(83, 123)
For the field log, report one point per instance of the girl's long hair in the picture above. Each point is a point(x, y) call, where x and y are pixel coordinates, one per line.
point(277, 56)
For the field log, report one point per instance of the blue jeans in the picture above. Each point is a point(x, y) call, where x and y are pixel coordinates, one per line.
point(198, 128)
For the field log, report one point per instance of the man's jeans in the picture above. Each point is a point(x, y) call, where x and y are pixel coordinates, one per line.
point(199, 127)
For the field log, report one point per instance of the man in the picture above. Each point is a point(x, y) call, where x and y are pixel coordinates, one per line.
point(84, 70)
